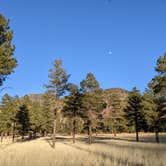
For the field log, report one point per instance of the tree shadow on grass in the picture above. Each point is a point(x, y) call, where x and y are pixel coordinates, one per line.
point(107, 141)
point(139, 145)
point(119, 161)
point(147, 139)
point(26, 139)
point(49, 141)
point(58, 139)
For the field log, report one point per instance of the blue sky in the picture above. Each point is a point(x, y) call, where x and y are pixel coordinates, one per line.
point(81, 33)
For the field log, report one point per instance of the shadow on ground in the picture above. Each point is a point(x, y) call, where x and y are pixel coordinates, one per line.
point(107, 141)
point(120, 161)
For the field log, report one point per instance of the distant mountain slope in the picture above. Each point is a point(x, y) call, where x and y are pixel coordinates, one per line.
point(122, 94)
point(36, 97)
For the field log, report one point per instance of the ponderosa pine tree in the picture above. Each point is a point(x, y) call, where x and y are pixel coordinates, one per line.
point(57, 86)
point(114, 107)
point(15, 108)
point(36, 118)
point(133, 111)
point(6, 114)
point(7, 62)
point(10, 106)
point(47, 112)
point(152, 112)
point(155, 98)
point(23, 121)
point(73, 107)
point(92, 101)
point(5, 118)
point(116, 115)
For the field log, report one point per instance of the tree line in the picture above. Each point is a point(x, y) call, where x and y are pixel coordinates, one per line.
point(69, 108)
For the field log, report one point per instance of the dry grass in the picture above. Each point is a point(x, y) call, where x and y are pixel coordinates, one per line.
point(105, 151)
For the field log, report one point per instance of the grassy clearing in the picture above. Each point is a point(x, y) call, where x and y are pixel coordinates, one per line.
point(105, 151)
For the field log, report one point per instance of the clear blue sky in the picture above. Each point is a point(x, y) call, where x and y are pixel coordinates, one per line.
point(81, 33)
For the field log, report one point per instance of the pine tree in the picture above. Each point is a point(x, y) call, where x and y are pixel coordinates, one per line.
point(156, 98)
point(92, 102)
point(114, 111)
point(133, 111)
point(7, 62)
point(73, 107)
point(154, 112)
point(23, 121)
point(10, 106)
point(35, 118)
point(57, 86)
point(47, 112)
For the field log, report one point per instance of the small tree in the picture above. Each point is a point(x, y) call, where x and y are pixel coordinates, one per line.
point(57, 86)
point(23, 122)
point(133, 111)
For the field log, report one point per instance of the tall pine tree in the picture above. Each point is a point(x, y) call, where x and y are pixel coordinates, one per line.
point(57, 86)
point(156, 98)
point(133, 111)
point(92, 102)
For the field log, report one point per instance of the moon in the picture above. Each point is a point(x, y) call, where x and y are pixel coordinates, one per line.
point(110, 52)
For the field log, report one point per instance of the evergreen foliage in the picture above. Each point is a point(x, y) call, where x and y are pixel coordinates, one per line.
point(83, 108)
point(7, 62)
point(133, 111)
point(92, 102)
point(155, 99)
point(73, 108)
point(57, 86)
point(23, 122)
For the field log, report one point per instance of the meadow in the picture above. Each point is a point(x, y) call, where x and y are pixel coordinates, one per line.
point(106, 150)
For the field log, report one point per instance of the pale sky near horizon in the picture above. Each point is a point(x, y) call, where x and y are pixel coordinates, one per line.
point(119, 41)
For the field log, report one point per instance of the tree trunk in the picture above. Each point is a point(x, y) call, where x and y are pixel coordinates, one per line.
point(13, 132)
point(157, 136)
point(114, 128)
point(54, 133)
point(74, 130)
point(114, 132)
point(137, 137)
point(90, 133)
point(34, 134)
point(136, 129)
point(45, 133)
point(96, 132)
point(42, 133)
point(30, 135)
point(1, 136)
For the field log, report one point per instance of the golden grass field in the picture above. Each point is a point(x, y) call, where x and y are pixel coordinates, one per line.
point(105, 151)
